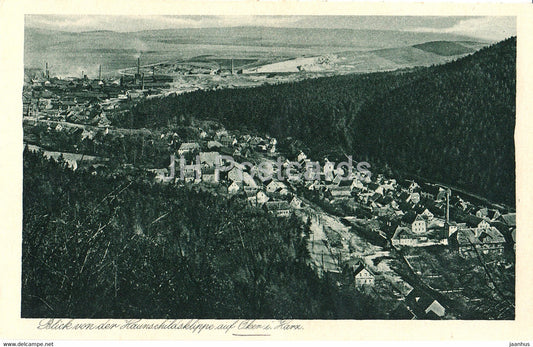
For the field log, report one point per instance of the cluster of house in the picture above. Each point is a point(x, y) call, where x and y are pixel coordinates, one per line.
point(467, 240)
point(70, 100)
point(425, 230)
point(412, 303)
point(410, 207)
point(481, 239)
point(484, 238)
point(202, 162)
point(419, 215)
point(333, 183)
point(62, 99)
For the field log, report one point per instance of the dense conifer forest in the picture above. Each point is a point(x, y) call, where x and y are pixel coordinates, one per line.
point(123, 247)
point(452, 123)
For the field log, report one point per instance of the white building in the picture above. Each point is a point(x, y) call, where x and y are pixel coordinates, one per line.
point(363, 277)
point(419, 225)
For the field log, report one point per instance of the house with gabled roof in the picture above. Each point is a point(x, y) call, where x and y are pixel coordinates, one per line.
point(482, 226)
point(471, 220)
point(210, 159)
point(275, 186)
point(337, 180)
point(403, 236)
point(414, 198)
point(471, 242)
point(493, 214)
point(435, 309)
point(335, 192)
point(356, 184)
point(403, 196)
point(188, 147)
point(509, 219)
point(296, 202)
point(227, 140)
point(413, 187)
point(261, 198)
point(278, 208)
point(214, 145)
point(236, 174)
point(233, 188)
point(256, 198)
point(363, 276)
point(424, 306)
point(301, 157)
point(483, 212)
point(251, 188)
point(210, 175)
point(492, 241)
point(427, 214)
point(426, 195)
point(419, 225)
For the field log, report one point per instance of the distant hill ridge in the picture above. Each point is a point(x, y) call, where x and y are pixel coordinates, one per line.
point(67, 52)
point(446, 48)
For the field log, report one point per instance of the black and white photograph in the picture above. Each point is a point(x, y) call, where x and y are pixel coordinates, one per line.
point(269, 167)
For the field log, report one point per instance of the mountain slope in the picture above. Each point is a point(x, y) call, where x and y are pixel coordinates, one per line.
point(455, 123)
point(86, 255)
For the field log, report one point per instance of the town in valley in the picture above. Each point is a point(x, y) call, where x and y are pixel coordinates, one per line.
point(422, 249)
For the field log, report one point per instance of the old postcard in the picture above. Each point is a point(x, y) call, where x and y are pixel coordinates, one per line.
point(266, 171)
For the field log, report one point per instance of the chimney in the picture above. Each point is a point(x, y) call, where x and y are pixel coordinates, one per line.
point(47, 72)
point(142, 81)
point(448, 192)
point(446, 230)
point(138, 65)
point(100, 72)
point(232, 72)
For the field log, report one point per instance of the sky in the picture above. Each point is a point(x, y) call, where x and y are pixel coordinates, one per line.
point(488, 28)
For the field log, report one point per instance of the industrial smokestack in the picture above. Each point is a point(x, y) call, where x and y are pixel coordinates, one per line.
point(232, 72)
point(142, 81)
point(139, 65)
point(100, 72)
point(46, 71)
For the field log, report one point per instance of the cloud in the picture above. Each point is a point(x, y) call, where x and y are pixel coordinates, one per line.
point(266, 21)
point(487, 28)
point(59, 22)
point(137, 23)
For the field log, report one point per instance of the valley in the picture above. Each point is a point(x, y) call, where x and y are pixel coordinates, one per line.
point(143, 151)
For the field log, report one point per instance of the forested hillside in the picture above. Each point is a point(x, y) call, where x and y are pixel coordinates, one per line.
point(120, 246)
point(452, 123)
